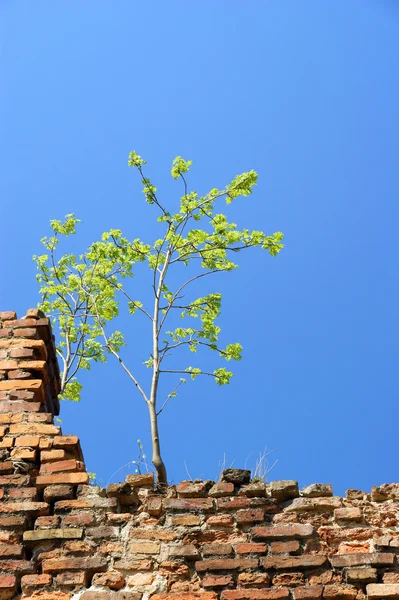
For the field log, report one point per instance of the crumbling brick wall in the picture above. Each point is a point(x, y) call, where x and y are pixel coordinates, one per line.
point(62, 539)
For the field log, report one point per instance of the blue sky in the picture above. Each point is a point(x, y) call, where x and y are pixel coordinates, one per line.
point(306, 93)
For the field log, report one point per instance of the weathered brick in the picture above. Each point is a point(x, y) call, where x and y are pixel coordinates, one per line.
point(194, 504)
point(382, 591)
point(34, 429)
point(294, 530)
point(31, 583)
point(215, 549)
point(254, 515)
point(41, 508)
point(284, 489)
point(29, 441)
point(25, 454)
point(51, 522)
point(53, 534)
point(49, 596)
point(221, 489)
point(94, 564)
point(74, 478)
point(185, 520)
point(138, 480)
point(59, 492)
point(361, 575)
point(308, 592)
point(113, 580)
point(211, 581)
point(153, 534)
point(314, 504)
point(65, 441)
point(11, 550)
point(75, 579)
point(187, 551)
point(121, 595)
point(348, 514)
point(222, 564)
point(250, 547)
point(52, 455)
point(256, 594)
point(61, 466)
point(342, 592)
point(376, 559)
point(294, 562)
point(132, 564)
point(145, 547)
point(8, 586)
point(220, 521)
point(285, 547)
point(188, 489)
point(185, 596)
point(102, 532)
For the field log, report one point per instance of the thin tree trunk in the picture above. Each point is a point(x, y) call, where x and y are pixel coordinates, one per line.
point(161, 476)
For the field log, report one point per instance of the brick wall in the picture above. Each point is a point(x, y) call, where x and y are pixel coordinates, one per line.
point(62, 539)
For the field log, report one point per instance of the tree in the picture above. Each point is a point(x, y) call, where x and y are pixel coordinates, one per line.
point(82, 293)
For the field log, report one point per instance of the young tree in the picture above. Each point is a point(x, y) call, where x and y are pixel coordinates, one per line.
point(82, 293)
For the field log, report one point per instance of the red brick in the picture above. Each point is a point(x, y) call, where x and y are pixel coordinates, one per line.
point(255, 515)
point(210, 581)
point(74, 564)
point(31, 582)
point(52, 455)
point(341, 592)
point(152, 534)
point(11, 551)
point(221, 489)
point(15, 479)
point(222, 564)
point(308, 592)
point(8, 586)
point(248, 548)
point(73, 579)
point(232, 503)
point(34, 429)
point(188, 489)
point(256, 594)
point(284, 531)
point(26, 332)
point(145, 547)
point(74, 478)
point(377, 559)
point(285, 547)
point(8, 315)
point(49, 596)
point(62, 441)
point(41, 508)
point(17, 566)
point(85, 519)
point(122, 595)
point(61, 466)
point(188, 504)
point(186, 551)
point(294, 562)
point(16, 406)
point(185, 520)
point(31, 441)
point(113, 580)
point(253, 580)
point(21, 352)
point(379, 590)
point(185, 596)
point(220, 521)
point(215, 549)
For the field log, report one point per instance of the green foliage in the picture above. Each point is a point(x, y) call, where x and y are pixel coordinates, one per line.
point(83, 293)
